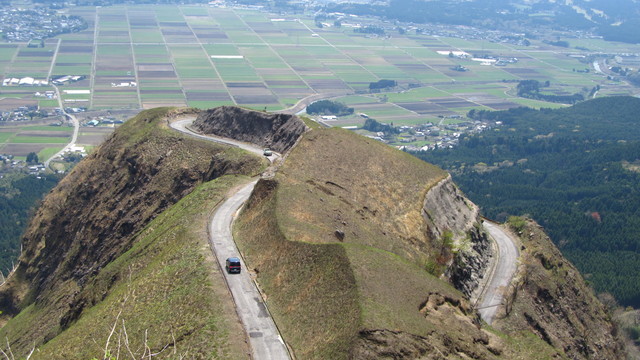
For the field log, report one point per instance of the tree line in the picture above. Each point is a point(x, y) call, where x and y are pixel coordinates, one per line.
point(21, 194)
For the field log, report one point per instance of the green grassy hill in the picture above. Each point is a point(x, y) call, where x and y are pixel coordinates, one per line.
point(120, 246)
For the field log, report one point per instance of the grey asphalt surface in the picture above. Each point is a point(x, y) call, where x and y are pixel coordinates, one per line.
point(263, 335)
point(503, 272)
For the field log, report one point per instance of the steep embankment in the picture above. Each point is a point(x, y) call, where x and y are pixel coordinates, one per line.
point(550, 298)
point(73, 275)
point(277, 131)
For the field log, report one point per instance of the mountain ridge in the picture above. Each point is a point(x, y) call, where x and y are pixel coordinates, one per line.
point(339, 241)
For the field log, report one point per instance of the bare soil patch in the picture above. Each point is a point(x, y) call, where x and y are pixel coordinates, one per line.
point(245, 85)
point(451, 102)
point(24, 149)
point(44, 53)
point(291, 91)
point(173, 24)
point(285, 83)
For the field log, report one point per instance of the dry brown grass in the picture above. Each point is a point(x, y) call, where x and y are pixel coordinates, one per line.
point(336, 180)
point(310, 288)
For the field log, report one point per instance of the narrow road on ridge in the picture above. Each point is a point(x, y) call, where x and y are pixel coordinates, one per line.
point(499, 279)
point(263, 335)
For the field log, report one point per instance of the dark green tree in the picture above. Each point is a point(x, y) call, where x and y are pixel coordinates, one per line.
point(32, 158)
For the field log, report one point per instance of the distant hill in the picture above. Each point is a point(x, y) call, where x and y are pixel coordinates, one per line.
point(616, 21)
point(574, 170)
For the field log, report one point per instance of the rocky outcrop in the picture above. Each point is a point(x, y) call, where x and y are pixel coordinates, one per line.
point(470, 265)
point(276, 131)
point(457, 334)
point(446, 209)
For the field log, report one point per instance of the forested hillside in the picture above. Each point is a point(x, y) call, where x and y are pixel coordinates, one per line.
point(575, 170)
point(20, 195)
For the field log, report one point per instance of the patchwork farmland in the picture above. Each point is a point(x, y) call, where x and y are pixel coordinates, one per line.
point(137, 57)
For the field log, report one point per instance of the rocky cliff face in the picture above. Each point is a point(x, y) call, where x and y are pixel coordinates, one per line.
point(469, 265)
point(446, 209)
point(276, 131)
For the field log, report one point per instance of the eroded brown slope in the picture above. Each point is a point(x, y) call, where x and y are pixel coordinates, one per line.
point(93, 215)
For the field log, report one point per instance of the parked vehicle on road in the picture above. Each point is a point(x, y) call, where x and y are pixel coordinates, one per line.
point(267, 152)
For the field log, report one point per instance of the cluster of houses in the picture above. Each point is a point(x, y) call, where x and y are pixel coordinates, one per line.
point(50, 94)
point(438, 136)
point(29, 81)
point(23, 25)
point(124, 84)
point(10, 163)
point(21, 113)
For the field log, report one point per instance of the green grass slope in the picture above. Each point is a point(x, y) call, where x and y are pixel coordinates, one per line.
point(167, 292)
point(101, 236)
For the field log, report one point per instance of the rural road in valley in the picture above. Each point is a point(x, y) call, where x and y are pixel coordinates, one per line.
point(76, 129)
point(263, 335)
point(503, 271)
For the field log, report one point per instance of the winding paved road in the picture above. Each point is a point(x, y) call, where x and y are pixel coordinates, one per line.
point(264, 338)
point(502, 274)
